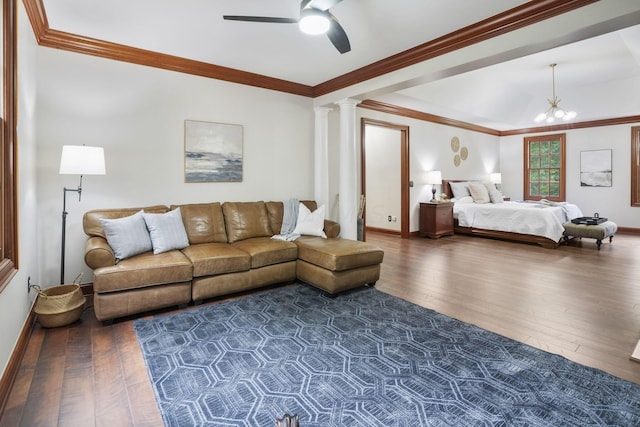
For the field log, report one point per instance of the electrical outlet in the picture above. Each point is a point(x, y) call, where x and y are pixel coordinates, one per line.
point(28, 284)
point(389, 218)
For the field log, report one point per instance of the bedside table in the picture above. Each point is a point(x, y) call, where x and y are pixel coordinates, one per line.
point(436, 219)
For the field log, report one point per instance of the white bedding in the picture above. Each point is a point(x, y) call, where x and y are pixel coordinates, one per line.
point(538, 219)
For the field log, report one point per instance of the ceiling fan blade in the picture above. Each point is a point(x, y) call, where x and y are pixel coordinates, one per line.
point(266, 19)
point(304, 3)
point(338, 36)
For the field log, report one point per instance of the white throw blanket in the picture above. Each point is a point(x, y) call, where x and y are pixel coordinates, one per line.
point(289, 220)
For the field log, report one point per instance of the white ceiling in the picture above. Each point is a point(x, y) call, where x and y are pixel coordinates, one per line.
point(594, 76)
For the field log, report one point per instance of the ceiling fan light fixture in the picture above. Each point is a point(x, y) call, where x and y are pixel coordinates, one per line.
point(554, 111)
point(314, 22)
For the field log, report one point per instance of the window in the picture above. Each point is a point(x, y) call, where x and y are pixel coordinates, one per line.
point(635, 166)
point(8, 205)
point(544, 167)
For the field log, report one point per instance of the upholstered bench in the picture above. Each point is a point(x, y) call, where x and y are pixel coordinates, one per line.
point(597, 231)
point(336, 265)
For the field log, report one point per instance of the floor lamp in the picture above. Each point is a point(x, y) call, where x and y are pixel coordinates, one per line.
point(77, 160)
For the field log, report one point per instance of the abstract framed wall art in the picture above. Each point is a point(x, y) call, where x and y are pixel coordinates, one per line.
point(595, 168)
point(212, 152)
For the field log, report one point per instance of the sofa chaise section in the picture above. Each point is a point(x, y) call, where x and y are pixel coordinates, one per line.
point(336, 265)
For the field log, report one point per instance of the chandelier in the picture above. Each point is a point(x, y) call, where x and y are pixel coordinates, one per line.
point(554, 111)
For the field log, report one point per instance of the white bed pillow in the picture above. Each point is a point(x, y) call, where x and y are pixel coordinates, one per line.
point(479, 192)
point(459, 189)
point(127, 236)
point(310, 223)
point(494, 194)
point(463, 200)
point(167, 231)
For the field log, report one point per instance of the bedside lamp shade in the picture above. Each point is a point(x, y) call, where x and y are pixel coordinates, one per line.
point(434, 178)
point(82, 160)
point(495, 178)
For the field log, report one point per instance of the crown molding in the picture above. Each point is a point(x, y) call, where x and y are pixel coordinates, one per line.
point(577, 125)
point(510, 20)
point(419, 115)
point(80, 44)
point(426, 117)
point(505, 22)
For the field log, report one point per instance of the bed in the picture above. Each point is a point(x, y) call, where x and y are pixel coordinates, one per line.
point(540, 223)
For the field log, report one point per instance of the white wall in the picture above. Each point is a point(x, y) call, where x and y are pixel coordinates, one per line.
point(429, 149)
point(611, 202)
point(137, 114)
point(15, 302)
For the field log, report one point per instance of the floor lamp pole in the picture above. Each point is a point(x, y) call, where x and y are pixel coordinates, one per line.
point(64, 224)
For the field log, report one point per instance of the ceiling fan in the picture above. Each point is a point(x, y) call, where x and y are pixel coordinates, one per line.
point(312, 20)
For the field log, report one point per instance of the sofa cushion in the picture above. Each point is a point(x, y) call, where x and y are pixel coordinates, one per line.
point(127, 236)
point(338, 254)
point(245, 220)
point(267, 251)
point(216, 258)
point(166, 231)
point(143, 270)
point(203, 222)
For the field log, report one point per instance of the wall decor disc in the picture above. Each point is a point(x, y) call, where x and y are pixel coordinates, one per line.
point(455, 144)
point(464, 153)
point(456, 160)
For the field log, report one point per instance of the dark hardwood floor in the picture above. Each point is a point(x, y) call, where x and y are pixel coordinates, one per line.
point(574, 300)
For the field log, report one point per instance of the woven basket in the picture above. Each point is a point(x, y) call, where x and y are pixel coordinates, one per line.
point(59, 305)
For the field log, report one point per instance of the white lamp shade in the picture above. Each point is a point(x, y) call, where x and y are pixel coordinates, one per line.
point(434, 177)
point(495, 177)
point(82, 160)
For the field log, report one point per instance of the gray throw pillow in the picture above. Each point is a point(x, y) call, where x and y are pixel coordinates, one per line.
point(127, 236)
point(167, 231)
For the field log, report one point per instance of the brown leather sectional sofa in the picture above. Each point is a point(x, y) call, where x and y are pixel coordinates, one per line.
point(230, 250)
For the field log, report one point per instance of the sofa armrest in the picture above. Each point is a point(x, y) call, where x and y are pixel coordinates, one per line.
point(98, 253)
point(331, 228)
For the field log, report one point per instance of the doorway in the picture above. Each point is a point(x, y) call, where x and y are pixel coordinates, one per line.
point(385, 176)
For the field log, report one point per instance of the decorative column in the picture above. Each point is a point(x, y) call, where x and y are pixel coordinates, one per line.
point(348, 170)
point(321, 157)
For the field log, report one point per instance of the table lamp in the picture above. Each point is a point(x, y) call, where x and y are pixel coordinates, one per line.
point(434, 178)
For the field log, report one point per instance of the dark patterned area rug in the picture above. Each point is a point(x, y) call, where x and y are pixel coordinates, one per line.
point(363, 359)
